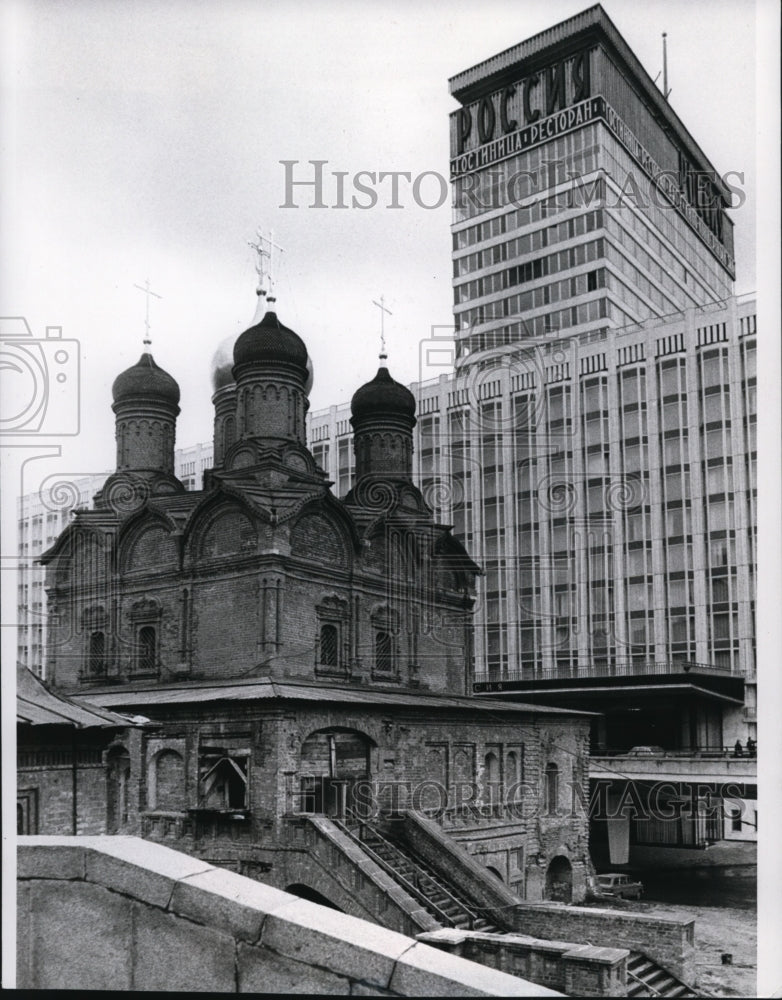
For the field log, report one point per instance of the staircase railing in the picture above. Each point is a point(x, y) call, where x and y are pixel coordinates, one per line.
point(410, 887)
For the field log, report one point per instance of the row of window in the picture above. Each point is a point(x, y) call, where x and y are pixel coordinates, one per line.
point(520, 246)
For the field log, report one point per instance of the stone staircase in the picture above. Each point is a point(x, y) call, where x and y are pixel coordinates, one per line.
point(647, 979)
point(441, 898)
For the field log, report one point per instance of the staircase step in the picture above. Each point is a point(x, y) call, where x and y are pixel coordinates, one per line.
point(661, 981)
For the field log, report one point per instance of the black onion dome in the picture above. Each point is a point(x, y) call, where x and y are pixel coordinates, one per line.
point(383, 395)
point(145, 380)
point(270, 341)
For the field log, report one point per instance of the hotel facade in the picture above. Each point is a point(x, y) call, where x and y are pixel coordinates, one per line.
point(594, 441)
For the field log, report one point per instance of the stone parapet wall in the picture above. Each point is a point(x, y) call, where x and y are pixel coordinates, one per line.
point(120, 913)
point(669, 941)
point(575, 969)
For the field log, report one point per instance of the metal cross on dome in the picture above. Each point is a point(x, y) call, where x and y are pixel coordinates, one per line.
point(148, 292)
point(383, 310)
point(264, 264)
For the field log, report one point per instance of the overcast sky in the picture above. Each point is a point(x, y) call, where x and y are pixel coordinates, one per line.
point(143, 140)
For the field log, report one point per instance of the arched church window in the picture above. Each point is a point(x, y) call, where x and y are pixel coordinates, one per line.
point(329, 646)
point(97, 652)
point(147, 648)
point(384, 652)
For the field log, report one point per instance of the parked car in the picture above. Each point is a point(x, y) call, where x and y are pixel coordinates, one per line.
point(647, 751)
point(621, 886)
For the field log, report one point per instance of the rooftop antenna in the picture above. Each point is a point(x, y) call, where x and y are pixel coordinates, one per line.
point(265, 269)
point(666, 91)
point(148, 292)
point(383, 310)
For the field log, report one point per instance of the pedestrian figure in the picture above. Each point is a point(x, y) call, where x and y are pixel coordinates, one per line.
point(751, 747)
point(737, 749)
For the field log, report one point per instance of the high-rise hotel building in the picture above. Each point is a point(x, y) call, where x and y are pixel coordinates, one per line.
point(594, 443)
point(581, 201)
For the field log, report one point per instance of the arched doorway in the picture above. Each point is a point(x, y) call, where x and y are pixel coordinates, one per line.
point(305, 892)
point(335, 771)
point(559, 880)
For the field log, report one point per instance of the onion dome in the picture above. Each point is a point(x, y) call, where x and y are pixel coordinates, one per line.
point(269, 342)
point(145, 381)
point(383, 397)
point(222, 365)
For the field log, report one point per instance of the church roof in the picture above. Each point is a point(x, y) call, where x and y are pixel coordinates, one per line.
point(382, 395)
point(145, 380)
point(36, 705)
point(270, 690)
point(270, 341)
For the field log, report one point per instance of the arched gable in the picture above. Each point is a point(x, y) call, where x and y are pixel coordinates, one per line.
point(223, 526)
point(151, 550)
point(147, 542)
point(82, 557)
point(318, 537)
point(230, 532)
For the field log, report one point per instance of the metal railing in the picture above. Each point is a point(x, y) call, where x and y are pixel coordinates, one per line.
point(702, 752)
point(616, 668)
point(397, 876)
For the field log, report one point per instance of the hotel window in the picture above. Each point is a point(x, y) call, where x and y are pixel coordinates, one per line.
point(717, 443)
point(344, 466)
point(713, 369)
point(720, 590)
point(674, 450)
point(721, 625)
point(720, 515)
point(677, 485)
point(637, 525)
point(719, 479)
point(674, 416)
point(636, 562)
point(635, 457)
point(716, 407)
point(672, 378)
point(678, 628)
point(594, 395)
point(631, 387)
point(633, 423)
point(639, 596)
point(597, 463)
point(677, 522)
point(680, 593)
point(596, 430)
point(722, 552)
point(596, 500)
